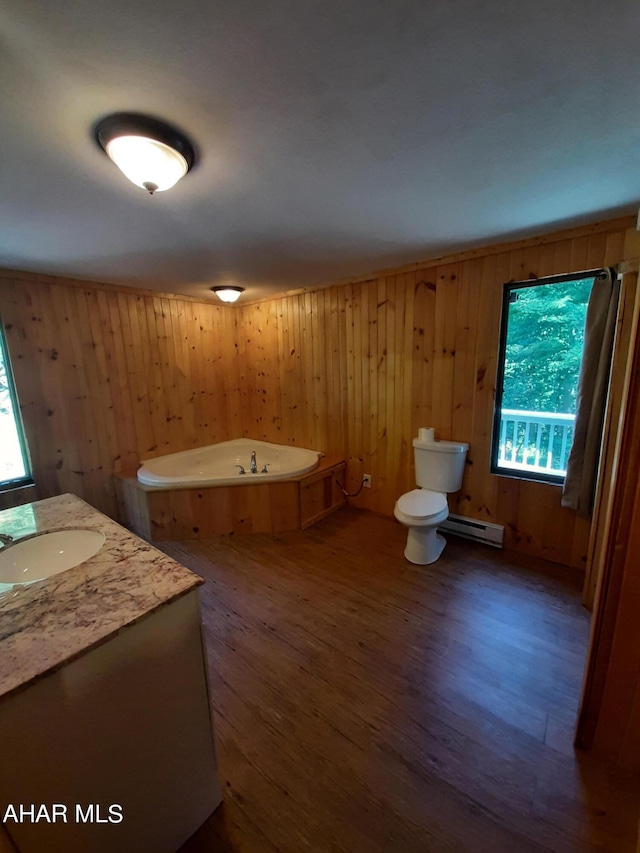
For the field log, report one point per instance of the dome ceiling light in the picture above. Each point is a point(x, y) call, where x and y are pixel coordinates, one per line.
point(228, 293)
point(151, 153)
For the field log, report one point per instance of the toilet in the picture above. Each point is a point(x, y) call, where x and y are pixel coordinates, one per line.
point(439, 468)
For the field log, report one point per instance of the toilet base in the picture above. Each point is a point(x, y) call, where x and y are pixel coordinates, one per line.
point(424, 545)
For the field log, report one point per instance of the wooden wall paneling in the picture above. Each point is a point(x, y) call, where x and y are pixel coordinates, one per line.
point(201, 334)
point(178, 411)
point(500, 496)
point(169, 408)
point(96, 399)
point(359, 408)
point(19, 314)
point(175, 317)
point(370, 293)
point(64, 356)
point(396, 450)
point(320, 407)
point(319, 384)
point(336, 325)
point(596, 251)
point(579, 253)
point(144, 420)
point(228, 381)
point(125, 459)
point(443, 363)
point(30, 357)
point(302, 401)
point(306, 349)
point(422, 347)
point(297, 401)
point(229, 322)
point(341, 343)
point(272, 371)
point(404, 410)
point(171, 385)
point(285, 387)
point(353, 393)
point(562, 257)
point(331, 393)
point(309, 383)
point(381, 437)
point(260, 368)
point(525, 495)
point(241, 362)
point(193, 339)
point(145, 370)
point(464, 365)
point(384, 395)
point(248, 385)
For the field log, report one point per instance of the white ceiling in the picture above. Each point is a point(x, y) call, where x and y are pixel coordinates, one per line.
point(336, 136)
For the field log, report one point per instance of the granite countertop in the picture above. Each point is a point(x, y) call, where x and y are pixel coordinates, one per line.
point(51, 622)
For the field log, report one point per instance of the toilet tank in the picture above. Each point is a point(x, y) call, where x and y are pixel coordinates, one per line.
point(439, 464)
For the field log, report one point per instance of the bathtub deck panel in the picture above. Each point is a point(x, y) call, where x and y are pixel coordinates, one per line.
point(160, 513)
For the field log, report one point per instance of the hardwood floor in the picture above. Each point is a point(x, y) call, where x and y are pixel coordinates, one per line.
point(365, 704)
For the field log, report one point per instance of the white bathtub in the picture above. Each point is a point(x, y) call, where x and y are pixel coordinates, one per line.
point(215, 465)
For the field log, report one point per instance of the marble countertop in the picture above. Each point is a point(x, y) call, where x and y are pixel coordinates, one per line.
point(46, 624)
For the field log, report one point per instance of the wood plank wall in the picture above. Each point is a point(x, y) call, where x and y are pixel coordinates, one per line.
point(109, 376)
point(356, 368)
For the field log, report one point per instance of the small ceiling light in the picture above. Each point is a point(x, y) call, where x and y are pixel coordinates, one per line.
point(227, 293)
point(152, 154)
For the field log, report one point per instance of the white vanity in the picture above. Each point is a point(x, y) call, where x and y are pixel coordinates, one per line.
point(104, 701)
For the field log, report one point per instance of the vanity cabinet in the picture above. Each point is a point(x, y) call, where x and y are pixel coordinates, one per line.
point(105, 710)
point(127, 725)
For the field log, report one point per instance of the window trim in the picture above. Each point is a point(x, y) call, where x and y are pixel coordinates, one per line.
point(27, 480)
point(508, 288)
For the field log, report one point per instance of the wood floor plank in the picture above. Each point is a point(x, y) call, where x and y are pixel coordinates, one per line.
point(365, 704)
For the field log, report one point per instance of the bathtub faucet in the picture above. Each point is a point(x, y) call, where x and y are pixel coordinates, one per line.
point(5, 539)
point(253, 467)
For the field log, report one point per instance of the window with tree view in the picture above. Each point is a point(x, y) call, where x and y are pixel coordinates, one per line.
point(14, 462)
point(539, 364)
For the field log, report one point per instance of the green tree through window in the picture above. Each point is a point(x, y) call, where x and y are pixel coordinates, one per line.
point(544, 346)
point(539, 364)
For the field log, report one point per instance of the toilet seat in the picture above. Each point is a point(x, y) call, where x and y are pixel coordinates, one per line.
point(422, 504)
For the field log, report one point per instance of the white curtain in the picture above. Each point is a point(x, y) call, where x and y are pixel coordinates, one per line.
point(593, 384)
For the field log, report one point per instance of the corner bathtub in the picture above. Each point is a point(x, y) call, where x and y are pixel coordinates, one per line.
point(215, 465)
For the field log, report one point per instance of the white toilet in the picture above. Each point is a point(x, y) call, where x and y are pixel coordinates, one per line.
point(439, 469)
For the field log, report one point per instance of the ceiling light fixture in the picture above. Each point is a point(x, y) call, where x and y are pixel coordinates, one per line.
point(228, 293)
point(152, 154)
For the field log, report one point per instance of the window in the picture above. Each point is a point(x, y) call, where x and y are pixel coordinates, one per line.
point(14, 458)
point(541, 342)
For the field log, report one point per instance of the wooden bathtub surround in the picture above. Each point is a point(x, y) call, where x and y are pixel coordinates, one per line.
point(108, 376)
point(162, 513)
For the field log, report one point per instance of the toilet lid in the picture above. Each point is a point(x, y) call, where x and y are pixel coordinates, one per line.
point(422, 503)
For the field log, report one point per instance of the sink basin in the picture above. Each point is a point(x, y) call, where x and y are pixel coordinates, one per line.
point(46, 554)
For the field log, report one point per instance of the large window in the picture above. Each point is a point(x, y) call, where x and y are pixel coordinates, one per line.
point(14, 459)
point(541, 342)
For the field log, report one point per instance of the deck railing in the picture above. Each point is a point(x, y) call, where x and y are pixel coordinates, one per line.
point(535, 441)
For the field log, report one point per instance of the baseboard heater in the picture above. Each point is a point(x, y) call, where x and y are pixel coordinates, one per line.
point(480, 531)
